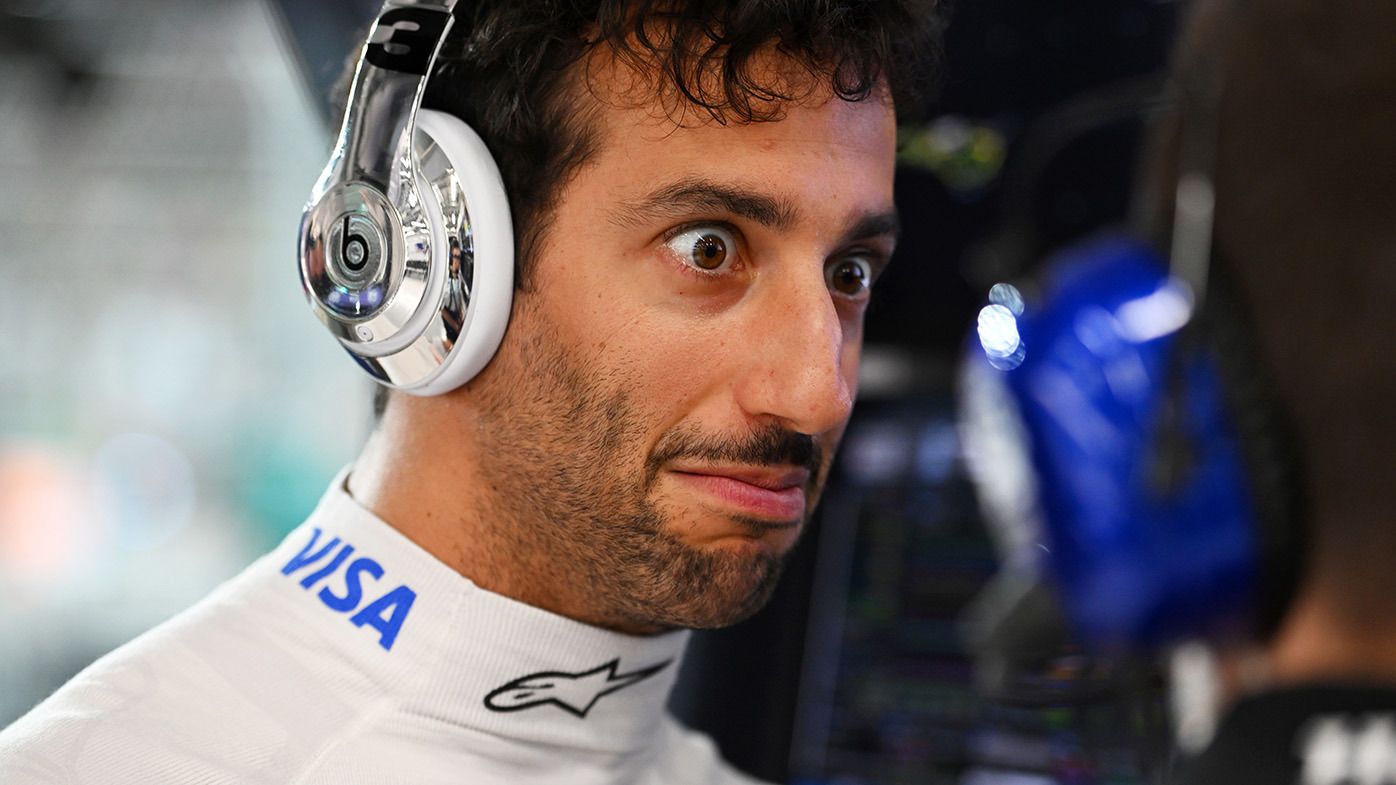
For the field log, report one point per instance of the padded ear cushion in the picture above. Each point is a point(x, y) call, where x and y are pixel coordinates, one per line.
point(491, 284)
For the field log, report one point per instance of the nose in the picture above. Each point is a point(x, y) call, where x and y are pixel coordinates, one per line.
point(804, 361)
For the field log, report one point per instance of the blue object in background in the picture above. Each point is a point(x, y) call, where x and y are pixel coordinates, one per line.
point(1087, 373)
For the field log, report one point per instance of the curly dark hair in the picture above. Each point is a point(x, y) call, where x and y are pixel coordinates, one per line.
point(508, 70)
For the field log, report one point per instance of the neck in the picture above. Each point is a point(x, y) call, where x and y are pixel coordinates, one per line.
point(1322, 640)
point(1319, 641)
point(419, 473)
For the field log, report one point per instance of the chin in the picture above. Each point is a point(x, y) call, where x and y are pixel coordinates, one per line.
point(739, 580)
point(746, 560)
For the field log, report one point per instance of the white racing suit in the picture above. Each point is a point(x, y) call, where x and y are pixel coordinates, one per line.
point(350, 656)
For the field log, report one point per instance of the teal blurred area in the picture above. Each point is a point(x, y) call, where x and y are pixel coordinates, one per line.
point(168, 406)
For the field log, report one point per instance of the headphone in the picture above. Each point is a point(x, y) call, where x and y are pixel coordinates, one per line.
point(1120, 434)
point(406, 245)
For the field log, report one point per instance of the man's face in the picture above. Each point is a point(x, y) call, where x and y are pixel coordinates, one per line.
point(660, 419)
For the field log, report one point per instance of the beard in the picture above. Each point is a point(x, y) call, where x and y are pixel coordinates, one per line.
point(573, 499)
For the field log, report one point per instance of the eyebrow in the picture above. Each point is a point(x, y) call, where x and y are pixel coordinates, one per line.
point(695, 194)
point(875, 225)
point(698, 195)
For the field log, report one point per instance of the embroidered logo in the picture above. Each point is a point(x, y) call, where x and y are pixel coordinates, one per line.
point(575, 693)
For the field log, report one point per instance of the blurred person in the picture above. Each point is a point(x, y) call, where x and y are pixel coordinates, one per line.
point(1196, 445)
point(498, 589)
point(1305, 181)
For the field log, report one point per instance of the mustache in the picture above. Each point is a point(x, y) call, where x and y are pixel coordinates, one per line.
point(767, 445)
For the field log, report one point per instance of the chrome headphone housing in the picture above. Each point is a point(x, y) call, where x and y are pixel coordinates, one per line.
point(387, 245)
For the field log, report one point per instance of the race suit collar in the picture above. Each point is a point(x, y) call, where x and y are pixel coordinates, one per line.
point(455, 653)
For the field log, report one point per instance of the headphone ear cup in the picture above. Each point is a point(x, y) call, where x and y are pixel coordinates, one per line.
point(485, 255)
point(1138, 563)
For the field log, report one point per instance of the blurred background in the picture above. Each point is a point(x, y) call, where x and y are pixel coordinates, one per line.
point(169, 409)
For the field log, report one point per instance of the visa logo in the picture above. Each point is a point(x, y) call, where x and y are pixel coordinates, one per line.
point(385, 614)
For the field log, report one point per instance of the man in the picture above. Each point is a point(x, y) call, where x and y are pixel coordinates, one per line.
point(1305, 184)
point(496, 591)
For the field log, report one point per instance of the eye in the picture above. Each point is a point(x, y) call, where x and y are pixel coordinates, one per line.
point(851, 275)
point(707, 248)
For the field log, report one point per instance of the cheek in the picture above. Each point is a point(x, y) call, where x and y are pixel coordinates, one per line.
point(630, 322)
point(673, 363)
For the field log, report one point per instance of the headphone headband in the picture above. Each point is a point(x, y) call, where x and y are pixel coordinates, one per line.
point(387, 89)
point(1199, 87)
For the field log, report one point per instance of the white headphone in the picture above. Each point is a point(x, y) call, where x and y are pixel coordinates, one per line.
point(406, 244)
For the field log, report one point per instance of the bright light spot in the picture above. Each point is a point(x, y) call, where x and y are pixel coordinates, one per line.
point(998, 331)
point(1007, 295)
point(1161, 313)
point(998, 334)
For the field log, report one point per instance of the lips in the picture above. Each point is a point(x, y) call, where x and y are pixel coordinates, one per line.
point(772, 494)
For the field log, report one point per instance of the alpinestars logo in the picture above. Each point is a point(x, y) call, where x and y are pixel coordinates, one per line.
point(575, 693)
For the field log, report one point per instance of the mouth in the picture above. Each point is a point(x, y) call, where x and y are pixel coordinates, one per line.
point(771, 496)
